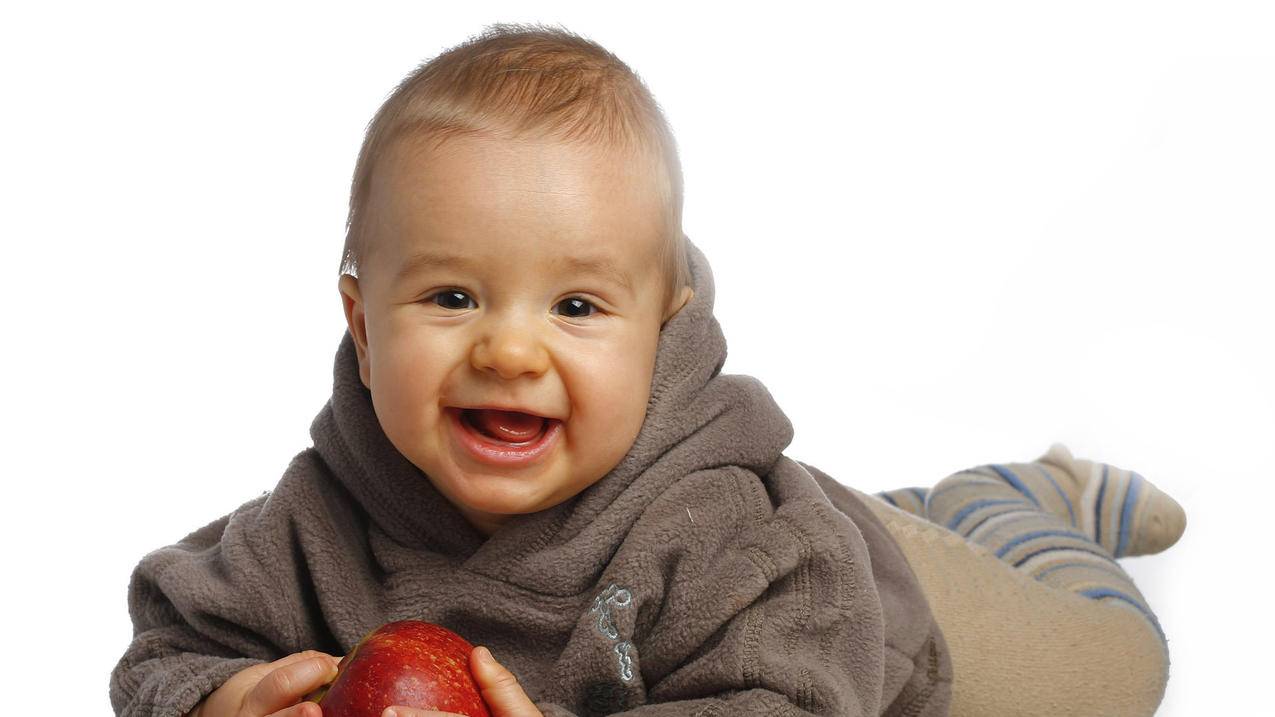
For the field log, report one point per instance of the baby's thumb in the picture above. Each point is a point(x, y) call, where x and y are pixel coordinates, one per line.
point(500, 688)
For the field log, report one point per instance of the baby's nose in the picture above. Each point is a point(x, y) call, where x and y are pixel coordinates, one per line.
point(510, 353)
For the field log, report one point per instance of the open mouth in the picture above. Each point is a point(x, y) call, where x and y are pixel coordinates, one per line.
point(509, 439)
point(508, 427)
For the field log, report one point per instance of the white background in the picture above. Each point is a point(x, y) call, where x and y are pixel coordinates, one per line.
point(943, 235)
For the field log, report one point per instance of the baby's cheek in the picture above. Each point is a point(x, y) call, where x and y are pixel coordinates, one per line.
point(618, 406)
point(621, 384)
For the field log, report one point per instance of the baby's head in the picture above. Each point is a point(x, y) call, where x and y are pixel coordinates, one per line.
point(514, 242)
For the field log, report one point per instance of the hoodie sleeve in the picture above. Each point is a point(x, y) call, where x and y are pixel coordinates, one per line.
point(767, 606)
point(203, 609)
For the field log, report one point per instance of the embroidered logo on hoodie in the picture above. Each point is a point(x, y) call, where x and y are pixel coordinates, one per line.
point(603, 605)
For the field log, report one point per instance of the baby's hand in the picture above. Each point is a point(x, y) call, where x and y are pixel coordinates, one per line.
point(499, 688)
point(272, 689)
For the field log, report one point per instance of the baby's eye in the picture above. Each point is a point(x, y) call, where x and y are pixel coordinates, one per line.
point(452, 299)
point(576, 308)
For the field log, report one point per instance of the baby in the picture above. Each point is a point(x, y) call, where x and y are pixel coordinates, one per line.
point(530, 442)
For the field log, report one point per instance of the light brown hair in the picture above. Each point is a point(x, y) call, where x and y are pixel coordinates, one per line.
point(526, 80)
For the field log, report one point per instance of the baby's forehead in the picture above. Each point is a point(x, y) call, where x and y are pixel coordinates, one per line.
point(546, 185)
point(541, 159)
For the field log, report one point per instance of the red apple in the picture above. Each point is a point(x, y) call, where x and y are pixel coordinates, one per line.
point(410, 663)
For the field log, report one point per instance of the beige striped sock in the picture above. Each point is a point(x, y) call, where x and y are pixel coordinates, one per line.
point(1117, 508)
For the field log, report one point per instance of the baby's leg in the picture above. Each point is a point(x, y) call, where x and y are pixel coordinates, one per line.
point(1039, 617)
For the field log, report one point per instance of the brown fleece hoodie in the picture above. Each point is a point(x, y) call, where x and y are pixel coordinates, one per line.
point(706, 574)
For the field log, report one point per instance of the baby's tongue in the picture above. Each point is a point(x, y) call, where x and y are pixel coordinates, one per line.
point(511, 426)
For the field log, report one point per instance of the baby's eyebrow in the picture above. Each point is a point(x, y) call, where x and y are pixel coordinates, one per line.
point(598, 265)
point(601, 266)
point(432, 258)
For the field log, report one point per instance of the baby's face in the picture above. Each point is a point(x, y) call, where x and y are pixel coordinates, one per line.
point(519, 275)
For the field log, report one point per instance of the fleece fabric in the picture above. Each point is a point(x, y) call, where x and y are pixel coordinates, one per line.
point(706, 574)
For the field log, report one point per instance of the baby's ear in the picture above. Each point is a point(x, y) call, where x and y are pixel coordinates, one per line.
point(356, 322)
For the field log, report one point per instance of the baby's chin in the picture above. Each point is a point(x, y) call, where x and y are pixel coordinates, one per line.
point(489, 516)
point(501, 496)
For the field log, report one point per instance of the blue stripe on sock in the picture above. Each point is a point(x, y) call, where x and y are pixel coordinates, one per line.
point(1126, 514)
point(1097, 507)
point(886, 497)
point(993, 515)
point(920, 495)
point(1037, 534)
point(947, 485)
point(1099, 593)
point(1099, 552)
point(1070, 513)
point(970, 508)
point(1015, 481)
point(1041, 575)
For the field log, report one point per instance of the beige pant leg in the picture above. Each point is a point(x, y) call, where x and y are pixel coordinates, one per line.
point(1021, 647)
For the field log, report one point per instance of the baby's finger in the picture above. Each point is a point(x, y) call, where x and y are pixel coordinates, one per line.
point(286, 685)
point(251, 676)
point(298, 657)
point(301, 709)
